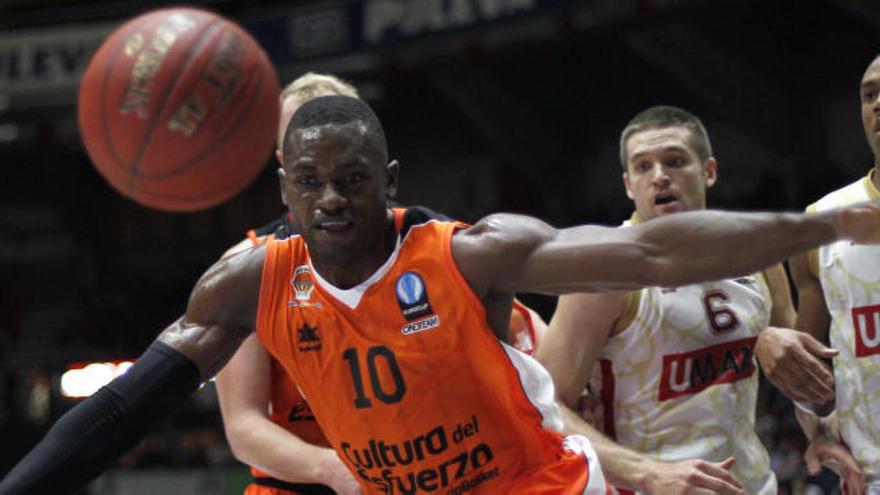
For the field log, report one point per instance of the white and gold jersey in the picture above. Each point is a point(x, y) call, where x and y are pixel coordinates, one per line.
point(678, 379)
point(850, 278)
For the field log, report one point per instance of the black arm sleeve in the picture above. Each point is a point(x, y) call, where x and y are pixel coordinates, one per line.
point(86, 440)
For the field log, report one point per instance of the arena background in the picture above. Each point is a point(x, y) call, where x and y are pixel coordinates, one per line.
point(511, 105)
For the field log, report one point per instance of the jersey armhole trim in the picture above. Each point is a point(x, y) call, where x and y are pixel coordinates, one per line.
point(267, 291)
point(446, 234)
point(629, 312)
point(813, 254)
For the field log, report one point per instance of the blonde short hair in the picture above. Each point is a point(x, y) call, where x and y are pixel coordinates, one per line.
point(310, 85)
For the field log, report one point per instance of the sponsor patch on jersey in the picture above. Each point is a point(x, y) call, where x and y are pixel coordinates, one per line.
point(417, 326)
point(412, 296)
point(308, 339)
point(866, 324)
point(302, 288)
point(300, 412)
point(692, 372)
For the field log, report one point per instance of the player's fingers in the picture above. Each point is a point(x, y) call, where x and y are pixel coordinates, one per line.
point(815, 376)
point(718, 485)
point(854, 479)
point(813, 464)
point(696, 490)
point(849, 469)
point(855, 483)
point(814, 366)
point(795, 393)
point(793, 386)
point(817, 348)
point(804, 389)
point(720, 471)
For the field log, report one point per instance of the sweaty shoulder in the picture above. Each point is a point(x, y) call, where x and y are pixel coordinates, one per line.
point(496, 247)
point(227, 293)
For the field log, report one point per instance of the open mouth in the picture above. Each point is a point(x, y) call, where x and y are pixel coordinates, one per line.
point(665, 200)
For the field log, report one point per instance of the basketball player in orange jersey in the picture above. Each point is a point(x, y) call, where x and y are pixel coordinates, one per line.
point(267, 422)
point(673, 366)
point(392, 326)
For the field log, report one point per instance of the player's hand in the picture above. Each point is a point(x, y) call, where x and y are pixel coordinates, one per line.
point(336, 475)
point(793, 362)
point(860, 222)
point(837, 457)
point(696, 477)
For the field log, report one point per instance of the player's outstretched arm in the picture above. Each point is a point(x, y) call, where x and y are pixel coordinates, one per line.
point(86, 440)
point(510, 253)
point(244, 389)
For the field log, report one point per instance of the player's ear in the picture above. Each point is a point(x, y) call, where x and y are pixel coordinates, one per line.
point(392, 171)
point(279, 156)
point(282, 182)
point(629, 193)
point(710, 171)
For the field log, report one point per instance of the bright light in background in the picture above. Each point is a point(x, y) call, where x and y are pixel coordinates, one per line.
point(83, 381)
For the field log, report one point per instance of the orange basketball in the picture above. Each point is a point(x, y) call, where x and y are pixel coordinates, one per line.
point(178, 109)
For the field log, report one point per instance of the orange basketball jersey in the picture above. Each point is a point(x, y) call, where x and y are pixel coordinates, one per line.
point(408, 382)
point(288, 407)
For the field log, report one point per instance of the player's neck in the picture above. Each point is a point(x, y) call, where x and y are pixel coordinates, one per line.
point(345, 273)
point(875, 177)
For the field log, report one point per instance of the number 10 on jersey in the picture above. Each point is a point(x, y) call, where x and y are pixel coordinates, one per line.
point(377, 356)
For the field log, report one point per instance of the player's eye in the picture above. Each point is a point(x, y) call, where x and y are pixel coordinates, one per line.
point(306, 182)
point(642, 166)
point(868, 95)
point(675, 162)
point(354, 178)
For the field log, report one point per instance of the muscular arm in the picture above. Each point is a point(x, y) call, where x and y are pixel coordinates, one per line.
point(86, 440)
point(244, 389)
point(509, 253)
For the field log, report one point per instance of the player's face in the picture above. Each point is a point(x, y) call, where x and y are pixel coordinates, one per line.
point(336, 186)
point(870, 96)
point(663, 173)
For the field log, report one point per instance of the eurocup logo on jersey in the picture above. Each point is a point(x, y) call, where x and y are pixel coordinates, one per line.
point(412, 296)
point(302, 288)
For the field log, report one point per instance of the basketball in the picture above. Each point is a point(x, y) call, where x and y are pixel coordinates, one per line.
point(178, 109)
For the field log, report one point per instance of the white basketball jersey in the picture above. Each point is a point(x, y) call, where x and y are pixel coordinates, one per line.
point(679, 380)
point(850, 277)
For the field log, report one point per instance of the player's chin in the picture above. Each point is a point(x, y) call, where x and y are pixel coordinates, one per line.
point(668, 207)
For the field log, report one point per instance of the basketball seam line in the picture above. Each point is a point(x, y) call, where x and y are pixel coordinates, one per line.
point(151, 126)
